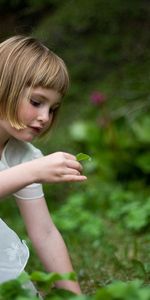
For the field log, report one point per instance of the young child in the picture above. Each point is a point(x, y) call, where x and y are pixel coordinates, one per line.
point(32, 82)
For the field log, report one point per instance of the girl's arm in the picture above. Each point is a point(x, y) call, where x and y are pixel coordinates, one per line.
point(47, 240)
point(16, 178)
point(56, 167)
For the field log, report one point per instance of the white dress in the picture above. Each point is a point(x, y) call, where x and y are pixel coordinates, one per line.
point(14, 253)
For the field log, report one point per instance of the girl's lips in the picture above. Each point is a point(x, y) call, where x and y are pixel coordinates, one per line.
point(37, 130)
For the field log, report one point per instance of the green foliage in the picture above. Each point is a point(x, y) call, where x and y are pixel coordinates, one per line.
point(14, 289)
point(20, 289)
point(74, 215)
point(118, 290)
point(124, 291)
point(99, 36)
point(141, 129)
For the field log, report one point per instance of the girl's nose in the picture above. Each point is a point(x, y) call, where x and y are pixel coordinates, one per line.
point(44, 116)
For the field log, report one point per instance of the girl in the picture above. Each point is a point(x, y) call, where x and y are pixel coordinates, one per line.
point(32, 82)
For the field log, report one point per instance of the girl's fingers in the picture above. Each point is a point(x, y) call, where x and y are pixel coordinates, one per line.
point(74, 178)
point(74, 164)
point(69, 171)
point(69, 156)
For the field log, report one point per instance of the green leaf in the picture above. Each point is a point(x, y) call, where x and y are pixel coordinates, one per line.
point(23, 277)
point(45, 281)
point(83, 156)
point(52, 277)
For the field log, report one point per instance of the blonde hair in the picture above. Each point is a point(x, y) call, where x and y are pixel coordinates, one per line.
point(26, 62)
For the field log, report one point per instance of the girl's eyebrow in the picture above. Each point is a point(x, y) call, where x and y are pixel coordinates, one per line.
point(39, 95)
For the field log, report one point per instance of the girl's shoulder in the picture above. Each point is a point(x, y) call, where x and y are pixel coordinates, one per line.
point(17, 152)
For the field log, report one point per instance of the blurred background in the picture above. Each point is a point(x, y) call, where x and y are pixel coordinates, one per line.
point(105, 44)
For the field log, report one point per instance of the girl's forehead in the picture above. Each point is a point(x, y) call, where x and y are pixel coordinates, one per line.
point(47, 94)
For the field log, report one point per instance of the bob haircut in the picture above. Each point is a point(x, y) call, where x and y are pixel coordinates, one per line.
point(26, 62)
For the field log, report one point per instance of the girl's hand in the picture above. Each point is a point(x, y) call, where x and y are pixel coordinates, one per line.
point(57, 167)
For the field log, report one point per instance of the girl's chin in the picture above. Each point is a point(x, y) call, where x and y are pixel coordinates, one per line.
point(25, 138)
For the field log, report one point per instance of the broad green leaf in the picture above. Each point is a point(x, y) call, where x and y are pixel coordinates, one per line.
point(82, 156)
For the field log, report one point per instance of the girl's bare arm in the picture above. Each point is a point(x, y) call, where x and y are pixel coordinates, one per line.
point(15, 178)
point(47, 240)
point(56, 167)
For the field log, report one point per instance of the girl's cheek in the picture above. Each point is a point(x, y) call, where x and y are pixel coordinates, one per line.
point(30, 114)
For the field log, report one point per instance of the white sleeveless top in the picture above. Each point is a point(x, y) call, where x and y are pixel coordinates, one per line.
point(14, 253)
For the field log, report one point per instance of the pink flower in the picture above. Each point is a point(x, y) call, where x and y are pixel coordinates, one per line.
point(97, 98)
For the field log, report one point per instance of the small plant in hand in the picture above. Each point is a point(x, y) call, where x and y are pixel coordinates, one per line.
point(83, 156)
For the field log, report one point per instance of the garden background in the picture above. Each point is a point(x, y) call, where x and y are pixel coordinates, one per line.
point(105, 221)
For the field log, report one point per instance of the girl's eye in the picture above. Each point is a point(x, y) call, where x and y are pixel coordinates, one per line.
point(35, 102)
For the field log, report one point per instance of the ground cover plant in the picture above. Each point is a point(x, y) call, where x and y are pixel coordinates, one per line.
point(105, 221)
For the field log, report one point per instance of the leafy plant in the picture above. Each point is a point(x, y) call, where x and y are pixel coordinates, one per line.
point(82, 156)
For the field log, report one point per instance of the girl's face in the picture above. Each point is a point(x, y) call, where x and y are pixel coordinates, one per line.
point(36, 113)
